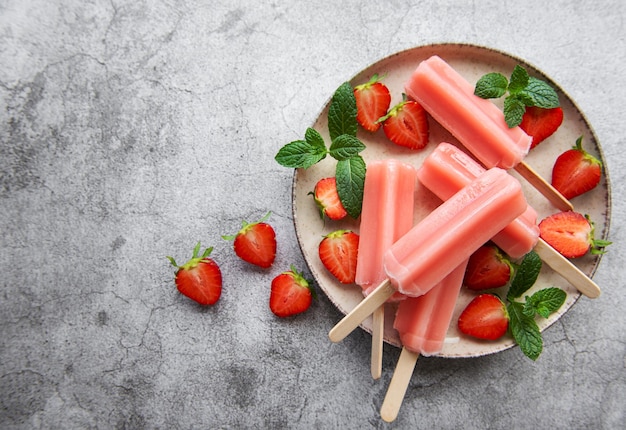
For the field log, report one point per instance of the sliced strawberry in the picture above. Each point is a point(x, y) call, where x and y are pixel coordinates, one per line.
point(485, 317)
point(255, 242)
point(576, 171)
point(541, 123)
point(571, 234)
point(487, 268)
point(200, 278)
point(290, 294)
point(372, 101)
point(406, 124)
point(338, 252)
point(327, 199)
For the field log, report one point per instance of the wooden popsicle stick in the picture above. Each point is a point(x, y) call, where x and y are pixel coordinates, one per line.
point(378, 328)
point(364, 309)
point(567, 269)
point(543, 187)
point(398, 385)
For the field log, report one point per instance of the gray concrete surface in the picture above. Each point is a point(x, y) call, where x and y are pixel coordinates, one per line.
point(132, 129)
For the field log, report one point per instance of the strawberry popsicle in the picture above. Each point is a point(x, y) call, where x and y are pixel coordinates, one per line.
point(442, 241)
point(387, 214)
point(477, 123)
point(448, 169)
point(422, 323)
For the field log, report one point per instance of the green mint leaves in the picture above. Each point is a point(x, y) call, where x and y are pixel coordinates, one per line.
point(345, 147)
point(522, 325)
point(524, 90)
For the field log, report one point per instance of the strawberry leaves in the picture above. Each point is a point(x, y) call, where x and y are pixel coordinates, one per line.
point(345, 147)
point(523, 90)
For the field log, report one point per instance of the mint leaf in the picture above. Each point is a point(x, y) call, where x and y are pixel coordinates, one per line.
point(491, 86)
point(524, 330)
point(544, 302)
point(350, 176)
point(514, 109)
point(519, 80)
point(302, 153)
point(525, 276)
point(541, 94)
point(345, 146)
point(342, 112)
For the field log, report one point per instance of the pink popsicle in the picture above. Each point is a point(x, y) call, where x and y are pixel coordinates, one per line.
point(448, 169)
point(477, 123)
point(387, 214)
point(442, 241)
point(453, 231)
point(422, 322)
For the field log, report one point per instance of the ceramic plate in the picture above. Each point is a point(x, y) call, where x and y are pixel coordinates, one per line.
point(472, 62)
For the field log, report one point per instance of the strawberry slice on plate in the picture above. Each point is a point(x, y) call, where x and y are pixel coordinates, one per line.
point(338, 252)
point(200, 278)
point(327, 199)
point(255, 242)
point(541, 123)
point(487, 268)
point(406, 124)
point(576, 171)
point(571, 234)
point(485, 317)
point(372, 101)
point(290, 294)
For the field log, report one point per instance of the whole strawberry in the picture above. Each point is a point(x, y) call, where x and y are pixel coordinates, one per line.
point(372, 102)
point(487, 268)
point(327, 199)
point(406, 124)
point(200, 278)
point(571, 234)
point(541, 123)
point(338, 252)
point(576, 171)
point(255, 243)
point(485, 317)
point(290, 294)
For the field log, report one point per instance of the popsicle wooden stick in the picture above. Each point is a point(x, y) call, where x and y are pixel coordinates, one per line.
point(567, 269)
point(378, 328)
point(543, 187)
point(398, 385)
point(364, 309)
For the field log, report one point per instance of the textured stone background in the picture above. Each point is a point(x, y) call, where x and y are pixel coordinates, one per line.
point(130, 130)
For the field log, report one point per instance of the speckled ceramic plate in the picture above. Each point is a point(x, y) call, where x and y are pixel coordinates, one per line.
point(472, 62)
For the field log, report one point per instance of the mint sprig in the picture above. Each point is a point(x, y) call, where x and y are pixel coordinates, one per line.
point(345, 147)
point(523, 91)
point(522, 324)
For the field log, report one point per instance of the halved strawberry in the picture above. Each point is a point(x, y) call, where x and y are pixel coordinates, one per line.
point(255, 242)
point(571, 234)
point(488, 267)
point(406, 124)
point(200, 278)
point(327, 199)
point(290, 294)
point(541, 123)
point(485, 317)
point(372, 102)
point(576, 171)
point(338, 251)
